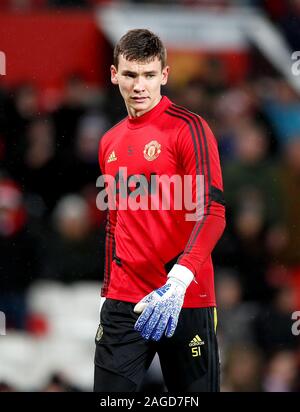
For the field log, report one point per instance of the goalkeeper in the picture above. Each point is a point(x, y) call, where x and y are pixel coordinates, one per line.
point(158, 291)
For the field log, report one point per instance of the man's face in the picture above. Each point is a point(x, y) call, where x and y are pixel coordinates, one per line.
point(139, 83)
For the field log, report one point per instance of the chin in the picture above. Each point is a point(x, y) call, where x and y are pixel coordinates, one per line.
point(141, 107)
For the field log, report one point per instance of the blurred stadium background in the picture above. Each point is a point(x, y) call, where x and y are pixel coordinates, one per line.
point(230, 62)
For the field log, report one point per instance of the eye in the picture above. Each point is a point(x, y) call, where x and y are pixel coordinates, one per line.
point(149, 76)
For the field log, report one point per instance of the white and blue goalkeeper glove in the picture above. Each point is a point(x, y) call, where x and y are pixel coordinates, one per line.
point(161, 308)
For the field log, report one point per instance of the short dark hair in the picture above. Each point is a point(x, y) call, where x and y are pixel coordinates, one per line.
point(140, 45)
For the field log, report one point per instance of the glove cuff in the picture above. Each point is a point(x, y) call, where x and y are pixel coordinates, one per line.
point(181, 274)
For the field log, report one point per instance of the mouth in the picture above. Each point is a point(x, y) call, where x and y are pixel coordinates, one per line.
point(140, 99)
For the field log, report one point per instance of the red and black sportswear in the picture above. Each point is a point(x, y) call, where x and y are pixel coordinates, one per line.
point(142, 245)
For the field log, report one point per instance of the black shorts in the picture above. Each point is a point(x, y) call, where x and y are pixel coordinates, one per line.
point(189, 359)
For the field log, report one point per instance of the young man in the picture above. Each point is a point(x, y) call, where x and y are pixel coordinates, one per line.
point(159, 280)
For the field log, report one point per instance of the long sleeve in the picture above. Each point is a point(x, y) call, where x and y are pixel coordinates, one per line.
point(109, 249)
point(109, 252)
point(198, 153)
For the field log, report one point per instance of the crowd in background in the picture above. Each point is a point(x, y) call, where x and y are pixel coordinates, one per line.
point(50, 227)
point(276, 8)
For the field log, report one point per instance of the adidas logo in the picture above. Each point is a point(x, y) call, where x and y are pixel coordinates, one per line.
point(112, 157)
point(197, 341)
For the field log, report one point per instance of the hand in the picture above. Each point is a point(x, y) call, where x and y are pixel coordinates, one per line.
point(161, 308)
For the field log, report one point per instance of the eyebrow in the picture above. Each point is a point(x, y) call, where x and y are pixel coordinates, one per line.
point(125, 72)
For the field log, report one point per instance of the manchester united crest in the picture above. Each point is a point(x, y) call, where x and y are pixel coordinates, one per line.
point(152, 150)
point(99, 332)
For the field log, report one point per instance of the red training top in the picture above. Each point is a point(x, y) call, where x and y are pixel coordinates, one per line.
point(143, 245)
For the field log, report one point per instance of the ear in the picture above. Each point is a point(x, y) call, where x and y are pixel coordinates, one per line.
point(113, 74)
point(165, 75)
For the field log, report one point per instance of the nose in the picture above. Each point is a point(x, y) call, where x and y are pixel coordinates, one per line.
point(138, 85)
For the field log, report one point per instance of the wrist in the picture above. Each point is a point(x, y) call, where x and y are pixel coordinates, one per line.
point(181, 274)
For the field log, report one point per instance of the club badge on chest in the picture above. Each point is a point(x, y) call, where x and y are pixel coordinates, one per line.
point(152, 150)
